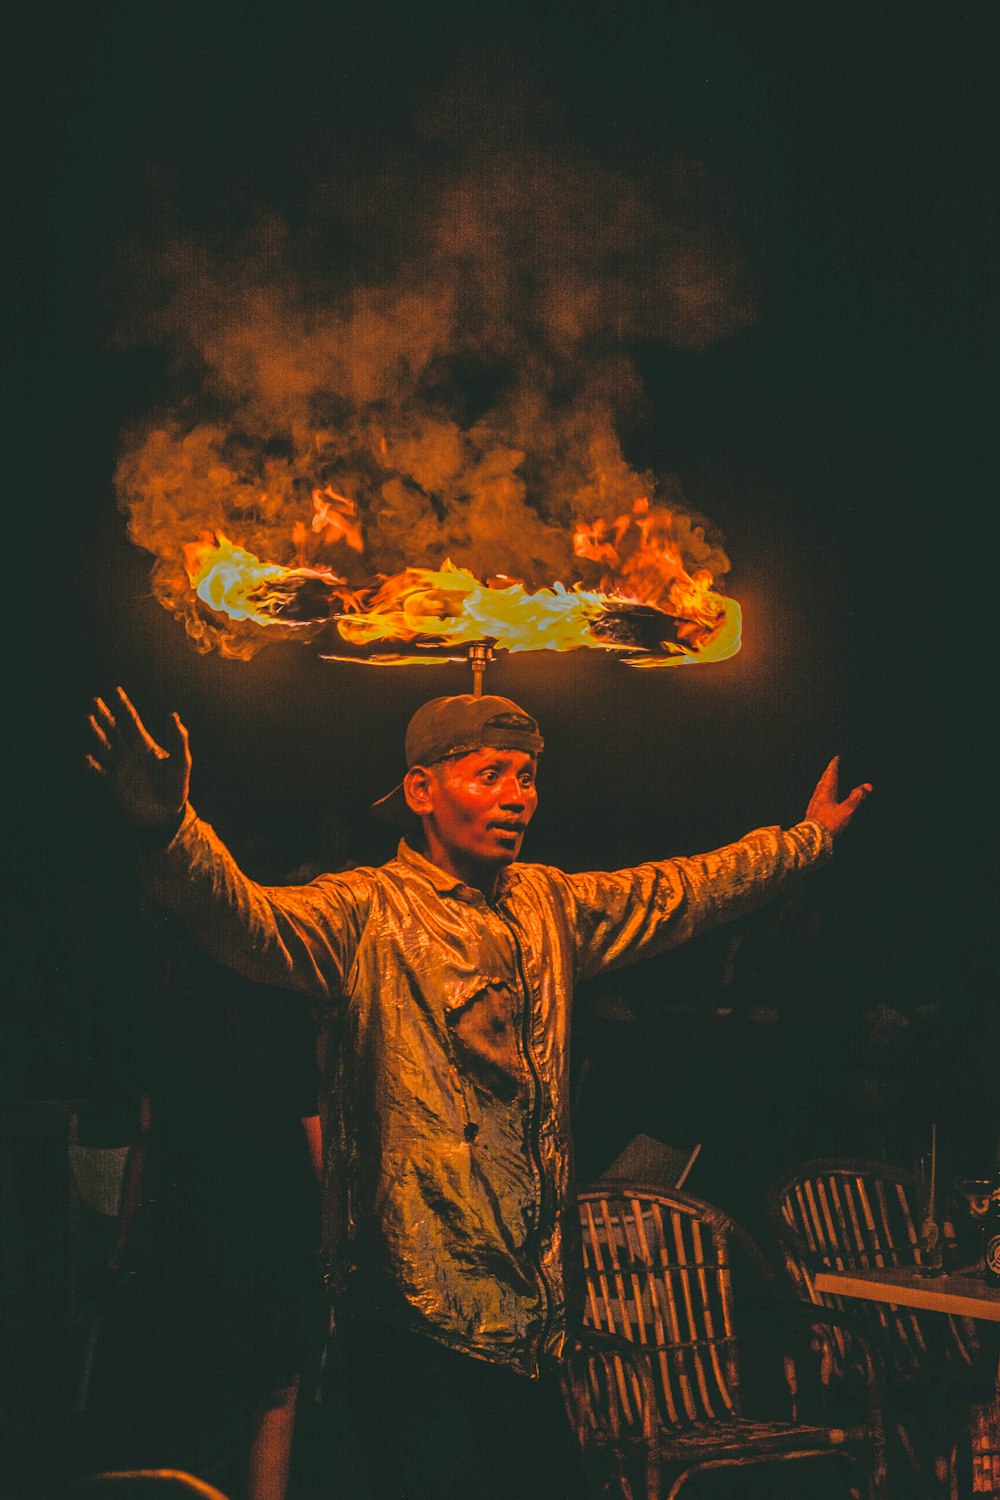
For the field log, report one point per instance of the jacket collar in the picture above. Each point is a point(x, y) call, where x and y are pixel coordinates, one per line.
point(450, 885)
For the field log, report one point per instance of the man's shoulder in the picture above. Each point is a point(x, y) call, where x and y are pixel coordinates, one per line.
point(402, 868)
point(532, 876)
point(357, 881)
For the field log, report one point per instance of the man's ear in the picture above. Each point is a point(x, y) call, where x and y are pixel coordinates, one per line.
point(417, 791)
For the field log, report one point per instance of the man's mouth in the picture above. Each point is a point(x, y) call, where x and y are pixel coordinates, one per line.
point(509, 827)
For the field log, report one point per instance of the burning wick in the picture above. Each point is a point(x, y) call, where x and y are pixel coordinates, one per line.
point(656, 614)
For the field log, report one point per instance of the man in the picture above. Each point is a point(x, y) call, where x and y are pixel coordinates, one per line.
point(451, 970)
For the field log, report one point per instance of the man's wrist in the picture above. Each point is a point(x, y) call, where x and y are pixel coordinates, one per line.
point(826, 836)
point(153, 837)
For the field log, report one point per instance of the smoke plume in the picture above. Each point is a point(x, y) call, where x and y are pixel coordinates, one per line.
point(445, 341)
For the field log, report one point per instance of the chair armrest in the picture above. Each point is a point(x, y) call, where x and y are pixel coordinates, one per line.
point(611, 1398)
point(812, 1329)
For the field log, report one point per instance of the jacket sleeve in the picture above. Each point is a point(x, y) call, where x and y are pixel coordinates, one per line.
point(618, 918)
point(298, 937)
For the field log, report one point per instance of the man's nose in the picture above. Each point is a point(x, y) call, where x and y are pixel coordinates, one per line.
point(513, 794)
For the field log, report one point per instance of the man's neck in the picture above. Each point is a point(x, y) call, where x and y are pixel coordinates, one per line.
point(481, 877)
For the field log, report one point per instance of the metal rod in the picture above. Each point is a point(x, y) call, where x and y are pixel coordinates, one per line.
point(480, 652)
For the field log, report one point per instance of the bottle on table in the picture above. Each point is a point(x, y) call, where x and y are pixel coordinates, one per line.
point(991, 1239)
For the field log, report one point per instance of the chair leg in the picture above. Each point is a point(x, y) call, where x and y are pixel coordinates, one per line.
point(88, 1363)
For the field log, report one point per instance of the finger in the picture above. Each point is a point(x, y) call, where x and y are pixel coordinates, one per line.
point(178, 734)
point(99, 734)
point(94, 766)
point(826, 787)
point(828, 780)
point(131, 722)
point(858, 795)
point(107, 719)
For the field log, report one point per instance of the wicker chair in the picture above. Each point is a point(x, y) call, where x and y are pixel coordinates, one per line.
point(845, 1214)
point(653, 1378)
point(137, 1484)
point(854, 1215)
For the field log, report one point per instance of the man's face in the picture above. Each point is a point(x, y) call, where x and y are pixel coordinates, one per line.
point(479, 805)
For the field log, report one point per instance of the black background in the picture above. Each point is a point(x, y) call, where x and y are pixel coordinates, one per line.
point(844, 444)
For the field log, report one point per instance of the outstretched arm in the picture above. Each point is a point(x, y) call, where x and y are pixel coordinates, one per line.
point(295, 937)
point(631, 914)
point(149, 781)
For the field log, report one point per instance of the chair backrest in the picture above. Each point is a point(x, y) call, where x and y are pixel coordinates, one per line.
point(137, 1484)
point(845, 1214)
point(657, 1272)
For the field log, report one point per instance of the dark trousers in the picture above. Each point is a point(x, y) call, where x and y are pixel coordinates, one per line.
point(437, 1425)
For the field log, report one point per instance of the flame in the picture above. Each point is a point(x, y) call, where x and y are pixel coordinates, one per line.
point(645, 566)
point(451, 605)
point(387, 660)
point(648, 607)
point(232, 581)
point(335, 519)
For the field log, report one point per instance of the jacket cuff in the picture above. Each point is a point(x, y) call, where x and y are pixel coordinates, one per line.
point(821, 837)
point(152, 844)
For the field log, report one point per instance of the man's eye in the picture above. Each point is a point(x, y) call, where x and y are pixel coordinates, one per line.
point(527, 780)
point(488, 776)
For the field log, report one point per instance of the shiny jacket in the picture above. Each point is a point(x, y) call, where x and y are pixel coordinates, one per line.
point(448, 1100)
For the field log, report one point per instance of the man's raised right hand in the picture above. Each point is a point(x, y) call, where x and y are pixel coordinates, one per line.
point(148, 781)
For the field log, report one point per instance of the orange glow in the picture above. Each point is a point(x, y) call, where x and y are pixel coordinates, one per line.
point(384, 659)
point(336, 518)
point(231, 580)
point(647, 607)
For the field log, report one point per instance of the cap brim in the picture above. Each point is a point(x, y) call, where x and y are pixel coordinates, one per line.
point(395, 809)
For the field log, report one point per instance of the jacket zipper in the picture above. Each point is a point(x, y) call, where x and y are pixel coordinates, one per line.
point(534, 1131)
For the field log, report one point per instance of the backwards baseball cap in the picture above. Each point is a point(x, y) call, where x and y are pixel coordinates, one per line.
point(447, 727)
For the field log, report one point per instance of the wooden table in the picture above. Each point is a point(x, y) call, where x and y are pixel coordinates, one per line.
point(962, 1293)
